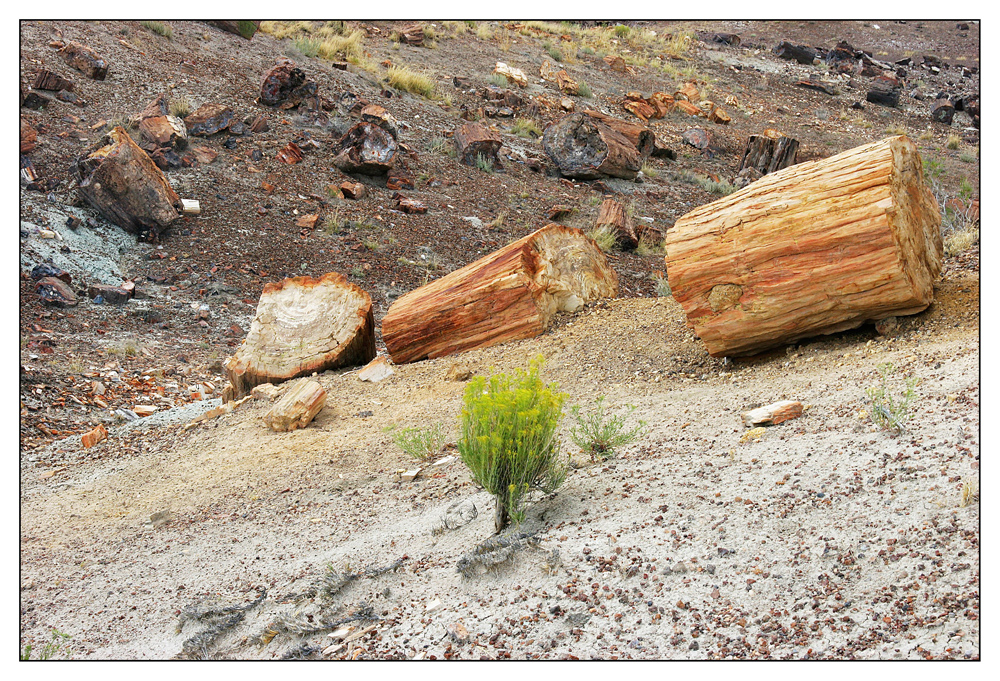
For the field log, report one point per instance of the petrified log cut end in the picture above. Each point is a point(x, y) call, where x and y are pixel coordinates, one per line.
point(815, 248)
point(304, 325)
point(507, 295)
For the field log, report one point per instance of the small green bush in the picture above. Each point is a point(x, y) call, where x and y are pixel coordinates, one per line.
point(525, 127)
point(584, 90)
point(600, 435)
point(509, 442)
point(605, 237)
point(50, 649)
point(159, 27)
point(497, 79)
point(309, 47)
point(889, 412)
point(420, 443)
point(484, 164)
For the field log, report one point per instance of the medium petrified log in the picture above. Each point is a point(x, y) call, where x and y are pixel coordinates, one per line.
point(473, 140)
point(511, 293)
point(46, 80)
point(29, 137)
point(884, 91)
point(297, 407)
point(803, 54)
point(613, 217)
point(412, 35)
point(769, 152)
point(304, 325)
point(242, 27)
point(567, 84)
point(816, 248)
point(35, 100)
point(366, 149)
point(280, 81)
point(121, 181)
point(84, 60)
point(587, 148)
point(942, 111)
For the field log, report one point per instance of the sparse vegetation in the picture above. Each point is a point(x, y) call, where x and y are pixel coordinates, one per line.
point(961, 240)
point(440, 145)
point(648, 246)
point(525, 127)
point(308, 46)
point(552, 50)
point(662, 286)
point(357, 273)
point(584, 90)
point(604, 237)
point(954, 142)
point(51, 648)
point(967, 157)
point(509, 439)
point(484, 164)
point(722, 188)
point(128, 348)
point(888, 411)
point(420, 443)
point(160, 28)
point(180, 106)
point(970, 492)
point(498, 221)
point(484, 31)
point(333, 223)
point(497, 79)
point(404, 78)
point(895, 130)
point(599, 435)
point(649, 171)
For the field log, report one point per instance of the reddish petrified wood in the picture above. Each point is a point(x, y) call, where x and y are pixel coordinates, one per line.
point(511, 293)
point(613, 217)
point(366, 149)
point(816, 248)
point(585, 147)
point(84, 60)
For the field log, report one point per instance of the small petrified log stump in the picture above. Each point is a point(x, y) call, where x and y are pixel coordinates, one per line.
point(280, 81)
point(769, 152)
point(884, 91)
point(587, 148)
point(366, 149)
point(613, 217)
point(473, 140)
point(297, 407)
point(943, 111)
point(46, 80)
point(209, 119)
point(304, 325)
point(412, 35)
point(84, 60)
point(121, 181)
point(511, 293)
point(816, 248)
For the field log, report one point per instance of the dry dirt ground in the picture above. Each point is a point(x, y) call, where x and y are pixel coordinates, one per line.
point(827, 538)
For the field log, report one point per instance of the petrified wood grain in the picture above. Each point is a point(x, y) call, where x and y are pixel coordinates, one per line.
point(297, 407)
point(511, 293)
point(584, 147)
point(816, 248)
point(304, 325)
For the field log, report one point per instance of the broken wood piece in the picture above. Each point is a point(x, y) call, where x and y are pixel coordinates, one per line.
point(511, 74)
point(92, 437)
point(376, 370)
point(641, 137)
point(299, 406)
point(304, 325)
point(290, 154)
point(410, 206)
point(84, 60)
point(358, 634)
point(408, 476)
point(473, 140)
point(209, 119)
point(412, 35)
point(340, 633)
point(510, 294)
point(144, 409)
point(164, 131)
point(769, 152)
point(265, 391)
point(307, 221)
point(567, 84)
point(353, 190)
point(29, 137)
point(815, 248)
point(587, 148)
point(366, 149)
point(46, 80)
point(121, 181)
point(772, 414)
point(190, 207)
point(803, 54)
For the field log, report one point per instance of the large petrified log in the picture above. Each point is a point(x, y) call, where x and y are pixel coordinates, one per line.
point(816, 248)
point(366, 149)
point(641, 137)
point(473, 140)
point(769, 152)
point(121, 181)
point(303, 325)
point(587, 148)
point(511, 293)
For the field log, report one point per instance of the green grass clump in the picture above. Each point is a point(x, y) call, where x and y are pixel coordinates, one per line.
point(484, 164)
point(649, 171)
point(585, 91)
point(180, 107)
point(954, 142)
point(440, 145)
point(509, 442)
point(50, 649)
point(605, 238)
point(599, 435)
point(338, 47)
point(966, 157)
point(888, 411)
point(166, 30)
point(404, 78)
point(497, 79)
point(552, 50)
point(662, 286)
point(420, 443)
point(308, 46)
point(525, 127)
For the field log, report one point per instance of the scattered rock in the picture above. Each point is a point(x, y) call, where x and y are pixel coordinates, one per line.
point(290, 154)
point(265, 391)
point(458, 372)
point(376, 370)
point(410, 205)
point(511, 74)
point(84, 60)
point(35, 100)
point(772, 414)
point(92, 437)
point(209, 119)
point(46, 80)
point(697, 138)
point(115, 295)
point(55, 292)
point(366, 149)
point(353, 190)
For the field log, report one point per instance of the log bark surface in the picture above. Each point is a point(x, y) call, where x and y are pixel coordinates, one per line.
point(304, 325)
point(641, 137)
point(510, 294)
point(121, 181)
point(473, 139)
point(587, 148)
point(816, 248)
point(612, 216)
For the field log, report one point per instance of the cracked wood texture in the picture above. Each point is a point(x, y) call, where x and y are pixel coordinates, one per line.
point(510, 294)
point(585, 147)
point(304, 325)
point(815, 248)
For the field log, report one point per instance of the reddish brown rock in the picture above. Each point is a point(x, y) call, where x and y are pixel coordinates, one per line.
point(291, 154)
point(46, 80)
point(353, 190)
point(307, 221)
point(55, 292)
point(259, 124)
point(157, 107)
point(209, 119)
point(84, 60)
point(95, 436)
point(283, 78)
point(113, 295)
point(29, 137)
point(204, 155)
point(366, 149)
point(164, 131)
point(410, 205)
